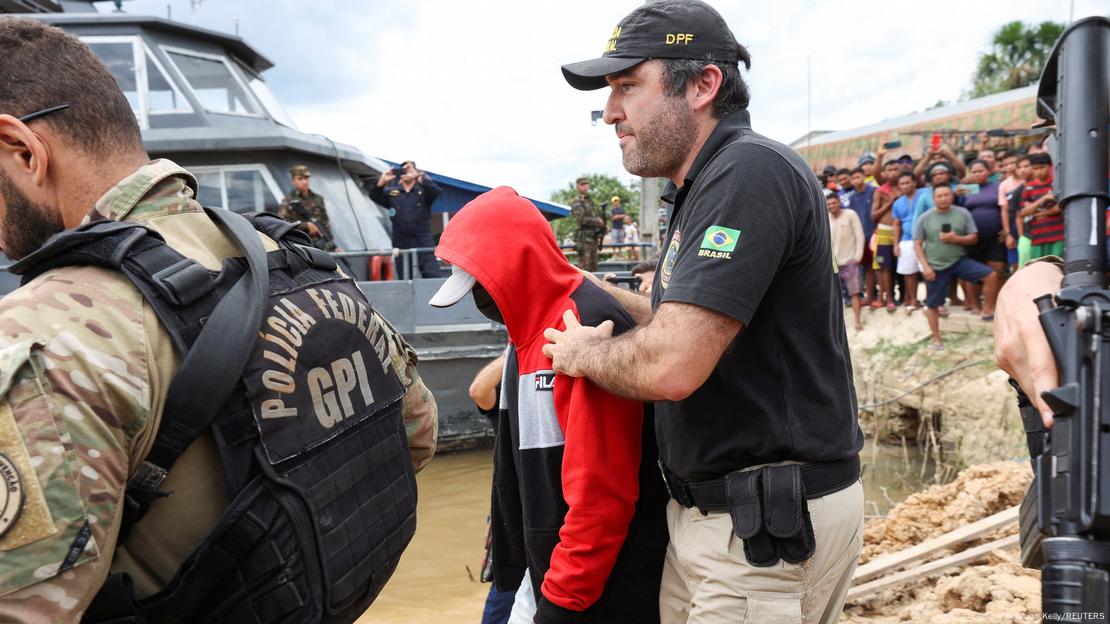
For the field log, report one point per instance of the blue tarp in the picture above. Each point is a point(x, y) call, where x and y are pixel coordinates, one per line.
point(456, 194)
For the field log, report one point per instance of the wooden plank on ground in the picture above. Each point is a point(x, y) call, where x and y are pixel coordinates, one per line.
point(867, 589)
point(891, 562)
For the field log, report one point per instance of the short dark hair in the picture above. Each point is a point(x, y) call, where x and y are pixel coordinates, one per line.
point(45, 67)
point(843, 171)
point(941, 185)
point(1025, 158)
point(643, 267)
point(733, 94)
point(907, 174)
point(978, 161)
point(832, 195)
point(1040, 158)
point(858, 170)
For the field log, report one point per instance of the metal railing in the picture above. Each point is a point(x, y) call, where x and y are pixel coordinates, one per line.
point(409, 258)
point(643, 250)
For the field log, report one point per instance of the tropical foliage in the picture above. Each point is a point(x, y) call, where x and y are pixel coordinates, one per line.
point(1017, 56)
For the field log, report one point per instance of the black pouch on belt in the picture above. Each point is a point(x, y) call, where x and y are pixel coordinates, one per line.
point(770, 514)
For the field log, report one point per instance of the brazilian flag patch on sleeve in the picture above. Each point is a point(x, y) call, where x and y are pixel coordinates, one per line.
point(719, 242)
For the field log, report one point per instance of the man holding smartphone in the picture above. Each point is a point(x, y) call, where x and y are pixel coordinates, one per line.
point(409, 192)
point(941, 237)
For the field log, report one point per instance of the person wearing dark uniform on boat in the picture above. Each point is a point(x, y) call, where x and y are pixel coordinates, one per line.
point(409, 192)
point(755, 408)
point(304, 205)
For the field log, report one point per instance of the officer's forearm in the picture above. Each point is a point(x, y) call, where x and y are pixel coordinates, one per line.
point(658, 361)
point(623, 366)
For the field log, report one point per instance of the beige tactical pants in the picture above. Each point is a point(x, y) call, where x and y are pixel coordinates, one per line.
point(707, 580)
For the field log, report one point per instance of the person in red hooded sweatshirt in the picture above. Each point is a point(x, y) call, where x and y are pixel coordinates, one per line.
point(578, 501)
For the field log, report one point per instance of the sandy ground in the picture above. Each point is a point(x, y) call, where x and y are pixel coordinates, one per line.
point(996, 590)
point(971, 414)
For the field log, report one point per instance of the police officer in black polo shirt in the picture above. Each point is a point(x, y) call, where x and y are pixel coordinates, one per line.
point(743, 343)
point(409, 197)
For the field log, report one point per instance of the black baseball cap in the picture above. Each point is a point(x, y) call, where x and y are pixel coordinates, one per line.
point(666, 29)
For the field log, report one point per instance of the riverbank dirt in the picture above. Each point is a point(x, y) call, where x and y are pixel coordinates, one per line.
point(955, 403)
point(996, 590)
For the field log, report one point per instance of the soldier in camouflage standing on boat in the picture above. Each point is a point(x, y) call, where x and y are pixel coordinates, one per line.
point(591, 226)
point(304, 205)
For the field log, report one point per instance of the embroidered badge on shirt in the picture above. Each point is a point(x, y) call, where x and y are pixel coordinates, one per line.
point(718, 242)
point(672, 256)
point(11, 498)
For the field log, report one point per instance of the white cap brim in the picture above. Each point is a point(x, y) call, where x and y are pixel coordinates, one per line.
point(455, 288)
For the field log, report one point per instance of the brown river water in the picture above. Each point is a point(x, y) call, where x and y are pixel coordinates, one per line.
point(437, 579)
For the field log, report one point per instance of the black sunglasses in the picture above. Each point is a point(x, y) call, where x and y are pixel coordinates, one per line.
point(42, 113)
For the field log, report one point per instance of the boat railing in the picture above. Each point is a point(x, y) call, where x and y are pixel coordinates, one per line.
point(641, 251)
point(407, 259)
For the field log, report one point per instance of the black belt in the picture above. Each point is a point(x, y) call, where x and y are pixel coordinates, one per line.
point(819, 478)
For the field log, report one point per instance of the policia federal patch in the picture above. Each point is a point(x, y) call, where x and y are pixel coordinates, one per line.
point(11, 499)
point(322, 365)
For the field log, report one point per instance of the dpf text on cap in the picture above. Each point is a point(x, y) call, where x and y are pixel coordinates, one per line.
point(667, 29)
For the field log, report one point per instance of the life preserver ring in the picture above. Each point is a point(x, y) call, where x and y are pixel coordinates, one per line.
point(381, 268)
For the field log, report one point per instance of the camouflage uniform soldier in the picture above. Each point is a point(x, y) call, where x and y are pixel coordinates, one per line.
point(84, 362)
point(591, 226)
point(306, 206)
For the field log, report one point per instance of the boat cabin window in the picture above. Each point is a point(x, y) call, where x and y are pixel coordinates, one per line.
point(214, 82)
point(140, 76)
point(241, 188)
point(269, 102)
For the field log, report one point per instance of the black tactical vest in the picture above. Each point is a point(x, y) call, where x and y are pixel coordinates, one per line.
point(284, 363)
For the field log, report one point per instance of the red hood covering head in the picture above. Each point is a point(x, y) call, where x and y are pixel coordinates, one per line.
point(504, 241)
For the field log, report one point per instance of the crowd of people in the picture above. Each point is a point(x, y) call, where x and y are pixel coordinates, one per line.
point(961, 227)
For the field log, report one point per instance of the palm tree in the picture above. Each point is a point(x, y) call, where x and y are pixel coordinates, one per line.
point(1018, 53)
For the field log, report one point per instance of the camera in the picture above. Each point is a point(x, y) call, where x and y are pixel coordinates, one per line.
point(946, 227)
point(398, 171)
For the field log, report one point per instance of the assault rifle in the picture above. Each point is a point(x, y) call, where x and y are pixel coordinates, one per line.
point(632, 281)
point(1070, 497)
point(324, 241)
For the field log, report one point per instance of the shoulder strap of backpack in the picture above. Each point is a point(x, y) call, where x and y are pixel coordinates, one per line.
point(214, 334)
point(210, 369)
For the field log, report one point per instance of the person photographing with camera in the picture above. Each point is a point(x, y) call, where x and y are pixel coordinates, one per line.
point(408, 193)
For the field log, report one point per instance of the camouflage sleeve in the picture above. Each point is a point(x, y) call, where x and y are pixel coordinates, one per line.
point(420, 410)
point(64, 450)
point(284, 211)
point(577, 210)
